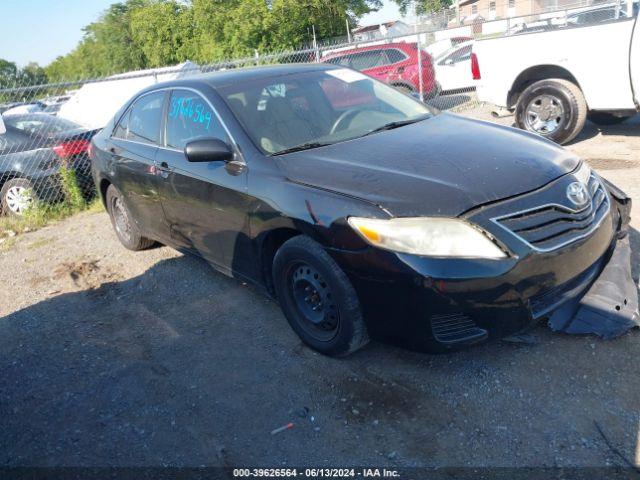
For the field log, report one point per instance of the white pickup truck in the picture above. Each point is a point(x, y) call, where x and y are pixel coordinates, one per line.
point(554, 80)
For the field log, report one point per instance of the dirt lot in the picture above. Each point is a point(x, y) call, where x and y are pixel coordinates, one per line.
point(109, 357)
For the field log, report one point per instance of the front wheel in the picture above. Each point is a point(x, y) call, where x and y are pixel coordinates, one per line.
point(554, 108)
point(317, 298)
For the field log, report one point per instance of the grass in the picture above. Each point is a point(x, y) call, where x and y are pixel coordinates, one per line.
point(41, 214)
point(7, 243)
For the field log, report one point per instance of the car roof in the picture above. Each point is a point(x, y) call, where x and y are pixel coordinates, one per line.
point(382, 46)
point(239, 75)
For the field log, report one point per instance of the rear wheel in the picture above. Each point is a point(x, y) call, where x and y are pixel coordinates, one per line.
point(554, 108)
point(126, 229)
point(16, 196)
point(606, 118)
point(317, 298)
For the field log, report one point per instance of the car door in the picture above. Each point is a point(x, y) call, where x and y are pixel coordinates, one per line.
point(205, 203)
point(133, 146)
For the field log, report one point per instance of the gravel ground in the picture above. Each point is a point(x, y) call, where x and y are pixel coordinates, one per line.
point(113, 358)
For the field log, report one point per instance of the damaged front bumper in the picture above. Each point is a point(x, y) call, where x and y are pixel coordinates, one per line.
point(431, 304)
point(609, 307)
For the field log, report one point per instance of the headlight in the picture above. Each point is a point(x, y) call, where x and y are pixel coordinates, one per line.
point(428, 236)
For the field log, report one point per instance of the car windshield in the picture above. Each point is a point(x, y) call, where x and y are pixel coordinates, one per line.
point(41, 124)
point(311, 109)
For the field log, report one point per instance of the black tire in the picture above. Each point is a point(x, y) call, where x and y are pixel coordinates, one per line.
point(301, 268)
point(8, 205)
point(606, 118)
point(124, 226)
point(567, 97)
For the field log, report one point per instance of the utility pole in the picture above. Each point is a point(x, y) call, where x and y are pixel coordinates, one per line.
point(348, 31)
point(315, 44)
point(458, 11)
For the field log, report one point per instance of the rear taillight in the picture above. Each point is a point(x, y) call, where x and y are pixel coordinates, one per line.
point(475, 67)
point(70, 148)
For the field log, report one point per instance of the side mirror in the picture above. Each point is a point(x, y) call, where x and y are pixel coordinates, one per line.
point(3, 129)
point(208, 150)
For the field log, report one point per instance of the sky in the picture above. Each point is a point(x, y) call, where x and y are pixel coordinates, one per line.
point(41, 30)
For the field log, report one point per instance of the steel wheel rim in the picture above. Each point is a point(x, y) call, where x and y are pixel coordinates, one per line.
point(544, 114)
point(314, 302)
point(121, 219)
point(17, 199)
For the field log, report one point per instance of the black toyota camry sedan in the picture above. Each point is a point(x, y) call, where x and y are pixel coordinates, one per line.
point(364, 213)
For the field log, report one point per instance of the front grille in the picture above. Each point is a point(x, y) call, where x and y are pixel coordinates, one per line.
point(456, 328)
point(550, 227)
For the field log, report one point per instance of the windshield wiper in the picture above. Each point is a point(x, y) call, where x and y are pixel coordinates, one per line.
point(396, 124)
point(302, 146)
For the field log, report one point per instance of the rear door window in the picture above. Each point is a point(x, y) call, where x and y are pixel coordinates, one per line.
point(367, 60)
point(190, 117)
point(394, 55)
point(145, 119)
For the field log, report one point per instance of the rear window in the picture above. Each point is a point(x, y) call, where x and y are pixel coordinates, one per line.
point(42, 124)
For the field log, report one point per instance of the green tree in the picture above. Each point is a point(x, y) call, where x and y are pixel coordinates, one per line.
point(8, 73)
point(32, 74)
point(421, 7)
point(163, 32)
point(327, 17)
point(106, 47)
point(136, 34)
point(11, 76)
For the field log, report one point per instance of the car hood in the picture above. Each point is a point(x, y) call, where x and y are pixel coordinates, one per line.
point(442, 166)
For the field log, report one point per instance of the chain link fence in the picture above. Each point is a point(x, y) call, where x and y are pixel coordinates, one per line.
point(45, 140)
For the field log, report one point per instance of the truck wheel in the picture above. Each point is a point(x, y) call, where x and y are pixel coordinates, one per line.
point(606, 118)
point(317, 298)
point(554, 108)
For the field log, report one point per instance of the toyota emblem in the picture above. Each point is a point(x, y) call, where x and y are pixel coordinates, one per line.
point(578, 194)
